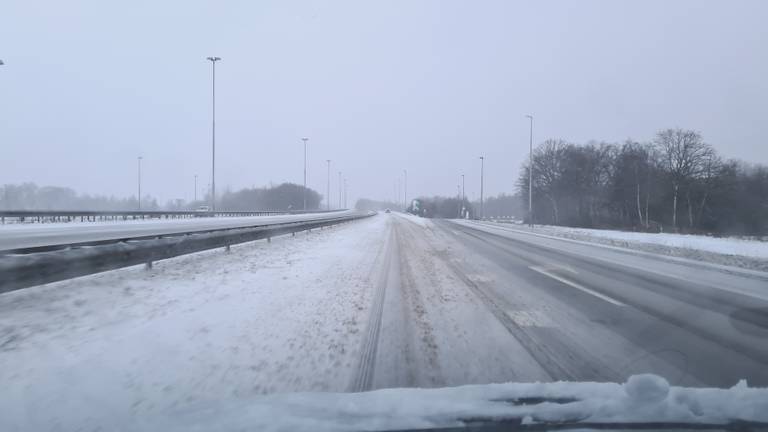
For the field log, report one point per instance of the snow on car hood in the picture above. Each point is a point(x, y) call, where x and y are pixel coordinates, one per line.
point(643, 398)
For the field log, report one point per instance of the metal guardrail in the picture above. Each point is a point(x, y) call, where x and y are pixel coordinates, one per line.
point(94, 215)
point(23, 270)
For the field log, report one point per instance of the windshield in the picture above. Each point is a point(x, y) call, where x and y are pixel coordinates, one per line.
point(383, 215)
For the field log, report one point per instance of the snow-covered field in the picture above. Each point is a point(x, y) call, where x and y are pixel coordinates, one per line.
point(722, 250)
point(265, 318)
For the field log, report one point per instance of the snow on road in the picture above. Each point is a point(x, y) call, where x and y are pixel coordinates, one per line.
point(264, 318)
point(448, 325)
point(287, 316)
point(44, 234)
point(423, 222)
point(154, 222)
point(217, 339)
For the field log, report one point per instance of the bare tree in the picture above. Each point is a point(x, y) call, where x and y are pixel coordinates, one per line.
point(684, 156)
point(548, 165)
point(712, 169)
point(631, 172)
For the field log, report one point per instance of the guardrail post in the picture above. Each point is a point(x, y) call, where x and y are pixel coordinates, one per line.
point(148, 265)
point(226, 249)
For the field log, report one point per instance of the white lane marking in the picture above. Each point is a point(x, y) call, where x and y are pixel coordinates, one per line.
point(577, 286)
point(550, 267)
point(530, 318)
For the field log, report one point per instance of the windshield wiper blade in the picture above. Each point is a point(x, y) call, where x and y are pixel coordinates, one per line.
point(535, 400)
point(516, 424)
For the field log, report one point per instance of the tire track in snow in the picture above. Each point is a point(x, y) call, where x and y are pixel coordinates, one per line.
point(363, 377)
point(415, 268)
point(539, 352)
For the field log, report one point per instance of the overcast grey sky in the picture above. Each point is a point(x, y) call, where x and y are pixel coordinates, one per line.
point(378, 87)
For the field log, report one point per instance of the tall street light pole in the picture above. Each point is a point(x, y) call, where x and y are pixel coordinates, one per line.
point(340, 194)
point(195, 187)
point(458, 197)
point(139, 181)
point(328, 190)
point(345, 193)
point(305, 172)
point(213, 61)
point(482, 163)
point(530, 175)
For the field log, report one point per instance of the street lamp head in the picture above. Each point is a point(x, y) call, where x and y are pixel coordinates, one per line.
point(214, 59)
point(305, 139)
point(529, 116)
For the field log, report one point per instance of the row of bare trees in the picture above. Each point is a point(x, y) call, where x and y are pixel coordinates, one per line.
point(675, 183)
point(285, 196)
point(29, 196)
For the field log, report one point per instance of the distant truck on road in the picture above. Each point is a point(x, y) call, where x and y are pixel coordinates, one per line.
point(203, 211)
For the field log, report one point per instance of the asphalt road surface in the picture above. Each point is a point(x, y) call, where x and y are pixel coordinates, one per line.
point(35, 235)
point(568, 310)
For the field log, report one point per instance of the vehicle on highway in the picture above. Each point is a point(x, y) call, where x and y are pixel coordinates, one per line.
point(387, 211)
point(203, 211)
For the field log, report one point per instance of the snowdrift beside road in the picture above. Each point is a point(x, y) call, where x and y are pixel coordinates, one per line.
point(751, 254)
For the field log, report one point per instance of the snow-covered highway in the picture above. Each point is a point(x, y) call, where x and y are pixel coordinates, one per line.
point(388, 301)
point(20, 236)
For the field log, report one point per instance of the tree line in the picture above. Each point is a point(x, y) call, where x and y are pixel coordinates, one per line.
point(285, 196)
point(29, 196)
point(676, 183)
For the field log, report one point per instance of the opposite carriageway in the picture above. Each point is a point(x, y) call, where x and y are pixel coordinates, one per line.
point(34, 255)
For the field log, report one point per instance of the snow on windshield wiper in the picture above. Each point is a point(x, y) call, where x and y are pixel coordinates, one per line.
point(522, 426)
point(644, 402)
